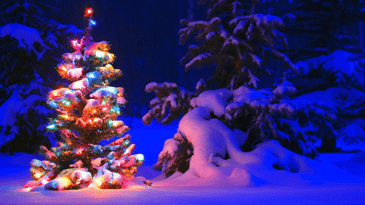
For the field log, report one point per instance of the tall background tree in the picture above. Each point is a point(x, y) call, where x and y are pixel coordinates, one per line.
point(327, 38)
point(30, 43)
point(325, 26)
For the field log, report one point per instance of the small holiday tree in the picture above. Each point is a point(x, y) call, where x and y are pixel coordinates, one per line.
point(87, 114)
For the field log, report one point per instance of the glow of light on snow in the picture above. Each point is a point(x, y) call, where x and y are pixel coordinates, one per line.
point(140, 157)
point(77, 85)
point(44, 181)
point(99, 181)
point(26, 189)
point(100, 54)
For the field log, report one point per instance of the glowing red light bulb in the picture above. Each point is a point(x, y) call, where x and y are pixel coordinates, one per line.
point(79, 151)
point(88, 12)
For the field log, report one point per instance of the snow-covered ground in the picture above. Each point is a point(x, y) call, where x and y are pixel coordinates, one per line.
point(338, 179)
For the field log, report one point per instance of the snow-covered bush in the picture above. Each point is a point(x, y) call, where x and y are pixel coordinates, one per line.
point(29, 45)
point(217, 124)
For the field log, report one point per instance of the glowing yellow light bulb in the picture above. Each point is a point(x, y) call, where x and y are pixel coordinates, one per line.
point(115, 123)
point(37, 175)
point(65, 181)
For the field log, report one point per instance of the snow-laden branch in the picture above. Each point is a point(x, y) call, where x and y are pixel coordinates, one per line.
point(170, 103)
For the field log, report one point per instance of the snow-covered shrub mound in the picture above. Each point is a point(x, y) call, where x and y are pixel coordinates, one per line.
point(224, 122)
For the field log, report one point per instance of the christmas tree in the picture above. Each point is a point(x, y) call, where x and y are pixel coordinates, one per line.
point(87, 110)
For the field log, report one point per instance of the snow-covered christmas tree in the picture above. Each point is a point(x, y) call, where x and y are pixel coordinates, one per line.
point(218, 125)
point(87, 111)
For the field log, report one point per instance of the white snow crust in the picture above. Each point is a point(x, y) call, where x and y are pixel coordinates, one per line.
point(246, 185)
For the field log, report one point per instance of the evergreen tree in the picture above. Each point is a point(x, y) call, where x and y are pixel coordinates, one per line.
point(239, 44)
point(237, 41)
point(29, 43)
point(87, 111)
point(327, 60)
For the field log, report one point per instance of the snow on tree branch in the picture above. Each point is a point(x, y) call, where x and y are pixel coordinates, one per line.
point(170, 103)
point(27, 37)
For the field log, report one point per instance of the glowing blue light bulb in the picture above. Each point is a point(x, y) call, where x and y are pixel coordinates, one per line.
point(92, 22)
point(115, 109)
point(53, 104)
point(66, 102)
point(126, 142)
point(110, 123)
point(52, 127)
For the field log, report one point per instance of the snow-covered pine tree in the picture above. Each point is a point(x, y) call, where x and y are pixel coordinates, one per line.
point(327, 60)
point(218, 124)
point(324, 26)
point(30, 44)
point(338, 80)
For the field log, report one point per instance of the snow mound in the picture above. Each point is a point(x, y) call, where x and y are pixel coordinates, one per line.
point(269, 163)
point(358, 157)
